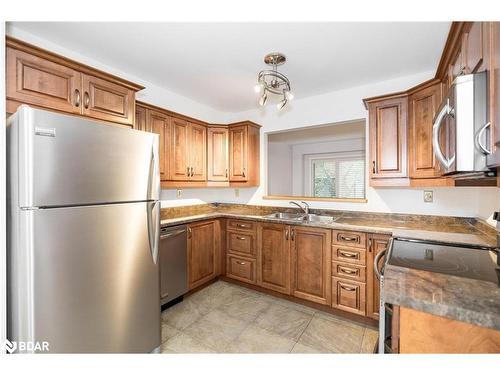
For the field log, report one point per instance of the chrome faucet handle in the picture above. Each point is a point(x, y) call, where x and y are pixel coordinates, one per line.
point(306, 205)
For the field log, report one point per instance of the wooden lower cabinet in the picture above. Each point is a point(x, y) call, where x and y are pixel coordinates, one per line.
point(376, 244)
point(203, 252)
point(349, 295)
point(274, 257)
point(311, 264)
point(240, 268)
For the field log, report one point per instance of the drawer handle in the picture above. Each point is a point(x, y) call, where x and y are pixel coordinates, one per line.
point(345, 238)
point(349, 289)
point(86, 100)
point(349, 255)
point(240, 238)
point(77, 98)
point(241, 263)
point(348, 271)
point(241, 225)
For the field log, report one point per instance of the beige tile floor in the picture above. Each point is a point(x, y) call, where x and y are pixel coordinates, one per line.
point(226, 318)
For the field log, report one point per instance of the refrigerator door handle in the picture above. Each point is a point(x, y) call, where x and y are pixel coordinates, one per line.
point(154, 228)
point(154, 178)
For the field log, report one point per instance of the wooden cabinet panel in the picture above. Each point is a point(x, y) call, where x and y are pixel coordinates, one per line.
point(33, 80)
point(423, 105)
point(348, 295)
point(242, 269)
point(159, 123)
point(494, 94)
point(348, 238)
point(218, 154)
point(388, 124)
point(349, 254)
point(238, 142)
point(108, 101)
point(377, 243)
point(311, 264)
point(197, 148)
point(241, 225)
point(474, 47)
point(457, 66)
point(179, 151)
point(274, 257)
point(140, 121)
point(203, 252)
point(242, 243)
point(349, 271)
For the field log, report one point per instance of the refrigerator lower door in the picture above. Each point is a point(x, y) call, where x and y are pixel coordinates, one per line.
point(86, 279)
point(60, 160)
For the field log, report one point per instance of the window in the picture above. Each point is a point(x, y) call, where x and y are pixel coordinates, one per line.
point(336, 175)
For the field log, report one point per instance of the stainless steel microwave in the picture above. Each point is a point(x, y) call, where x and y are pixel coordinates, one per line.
point(461, 131)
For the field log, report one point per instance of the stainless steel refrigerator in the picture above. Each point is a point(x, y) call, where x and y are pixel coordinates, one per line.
point(83, 229)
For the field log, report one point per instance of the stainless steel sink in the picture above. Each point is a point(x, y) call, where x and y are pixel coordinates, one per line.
point(310, 218)
point(285, 216)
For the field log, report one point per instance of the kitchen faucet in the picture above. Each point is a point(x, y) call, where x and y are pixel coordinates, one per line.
point(305, 208)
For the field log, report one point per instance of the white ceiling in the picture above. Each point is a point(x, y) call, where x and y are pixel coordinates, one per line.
point(217, 63)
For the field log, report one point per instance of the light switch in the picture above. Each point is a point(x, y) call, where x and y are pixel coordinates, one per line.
point(179, 193)
point(428, 196)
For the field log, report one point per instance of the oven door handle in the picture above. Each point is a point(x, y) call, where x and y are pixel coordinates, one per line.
point(378, 272)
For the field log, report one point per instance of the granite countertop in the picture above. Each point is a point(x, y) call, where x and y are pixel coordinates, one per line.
point(450, 230)
point(469, 300)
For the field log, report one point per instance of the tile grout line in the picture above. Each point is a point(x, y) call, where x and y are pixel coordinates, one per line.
point(296, 342)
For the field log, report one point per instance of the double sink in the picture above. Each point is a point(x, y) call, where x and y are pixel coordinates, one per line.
point(302, 217)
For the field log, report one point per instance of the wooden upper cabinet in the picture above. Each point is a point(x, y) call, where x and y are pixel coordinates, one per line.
point(140, 122)
point(218, 154)
point(274, 257)
point(388, 125)
point(311, 264)
point(159, 123)
point(457, 66)
point(179, 157)
point(238, 136)
point(376, 244)
point(203, 252)
point(107, 101)
point(37, 81)
point(43, 79)
point(473, 44)
point(494, 94)
point(197, 149)
point(423, 106)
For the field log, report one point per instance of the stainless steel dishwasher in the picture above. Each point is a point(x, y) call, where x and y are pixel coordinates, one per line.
point(173, 263)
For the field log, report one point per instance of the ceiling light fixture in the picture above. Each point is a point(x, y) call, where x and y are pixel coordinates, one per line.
point(272, 81)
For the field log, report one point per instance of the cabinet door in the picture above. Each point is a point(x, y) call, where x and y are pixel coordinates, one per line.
point(107, 101)
point(238, 146)
point(422, 107)
point(457, 66)
point(274, 257)
point(140, 121)
point(203, 257)
point(33, 80)
point(179, 150)
point(311, 264)
point(494, 92)
point(218, 154)
point(348, 295)
point(159, 123)
point(474, 47)
point(197, 148)
point(377, 243)
point(388, 138)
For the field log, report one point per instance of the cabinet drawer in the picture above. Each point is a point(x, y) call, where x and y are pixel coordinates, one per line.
point(349, 295)
point(242, 243)
point(354, 239)
point(242, 269)
point(241, 225)
point(349, 255)
point(349, 271)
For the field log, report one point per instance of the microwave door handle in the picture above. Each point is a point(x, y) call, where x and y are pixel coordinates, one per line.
point(435, 135)
point(479, 135)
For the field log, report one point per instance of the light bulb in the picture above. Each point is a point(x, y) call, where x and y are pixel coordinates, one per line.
point(263, 99)
point(281, 104)
point(258, 88)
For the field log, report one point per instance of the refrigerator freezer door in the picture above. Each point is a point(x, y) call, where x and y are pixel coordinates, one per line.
point(85, 279)
point(59, 160)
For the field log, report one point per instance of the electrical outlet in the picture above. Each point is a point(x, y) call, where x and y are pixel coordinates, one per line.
point(179, 193)
point(236, 193)
point(428, 196)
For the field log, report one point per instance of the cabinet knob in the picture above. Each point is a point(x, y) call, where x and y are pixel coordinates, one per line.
point(243, 173)
point(78, 98)
point(86, 100)
point(373, 167)
point(241, 263)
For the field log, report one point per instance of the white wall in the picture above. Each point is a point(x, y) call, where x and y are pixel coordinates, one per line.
point(280, 171)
